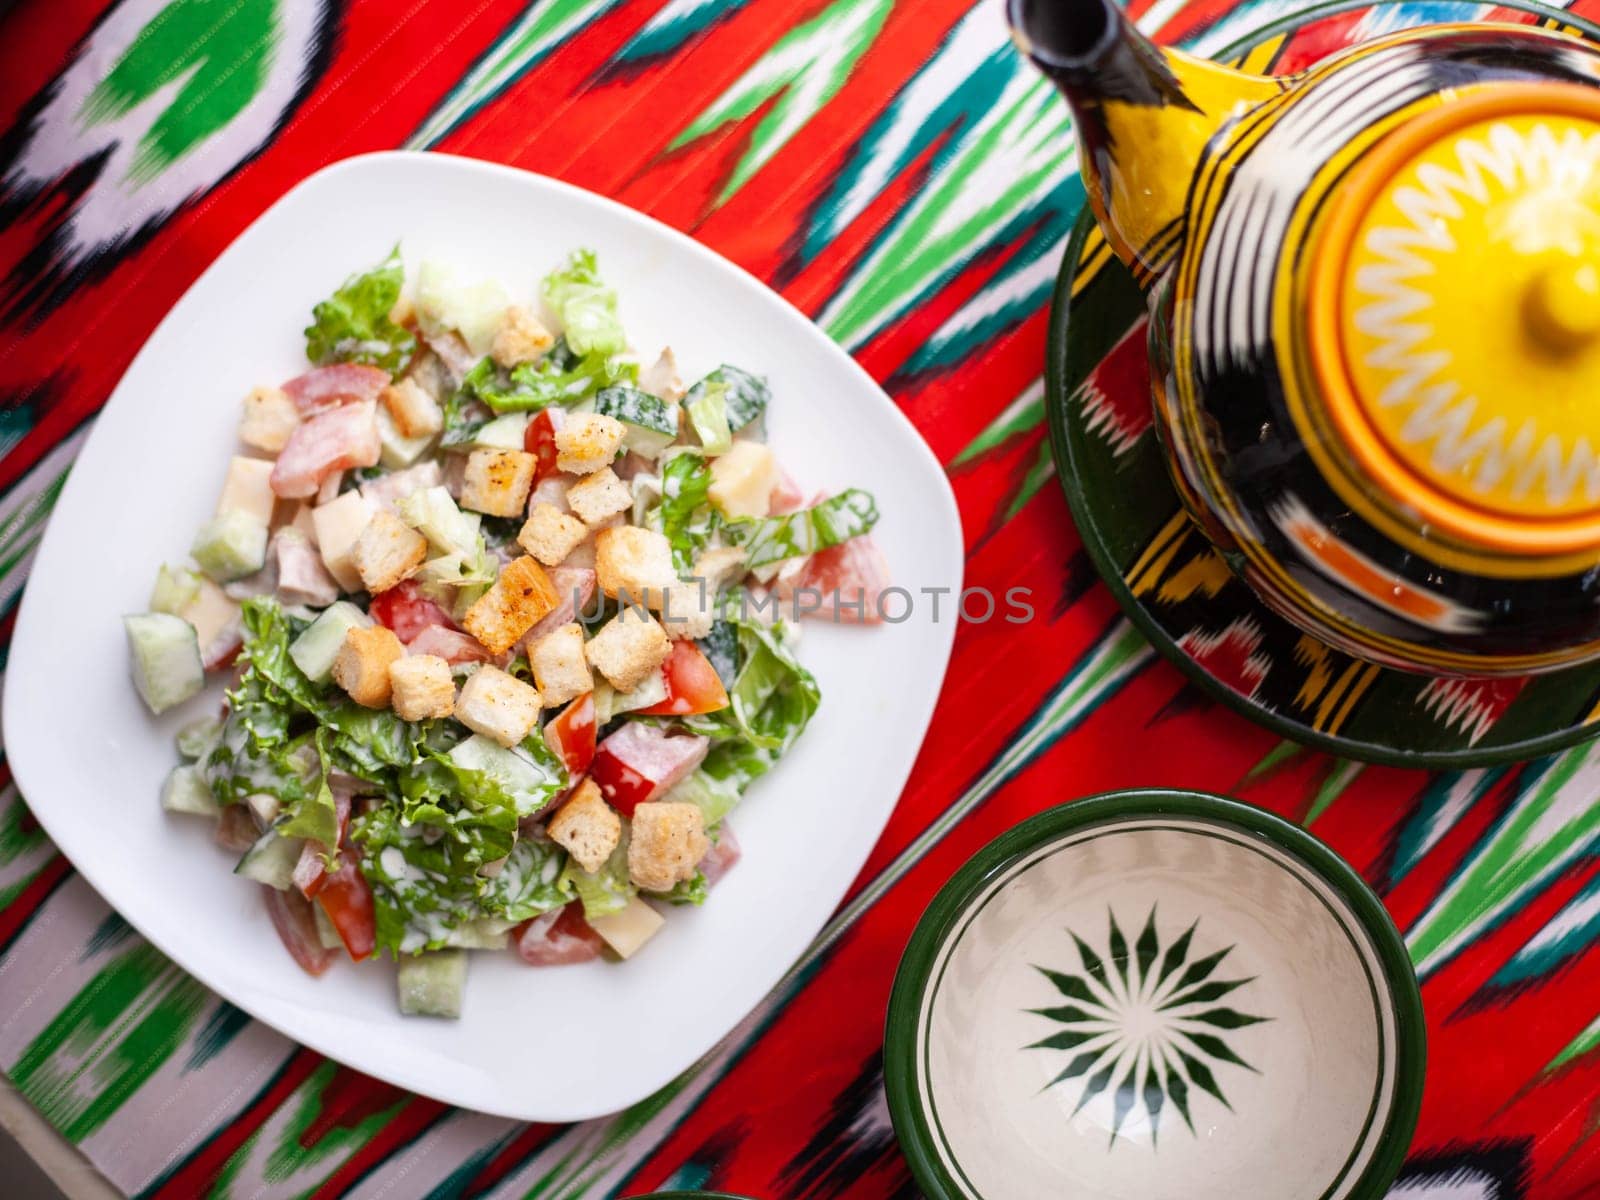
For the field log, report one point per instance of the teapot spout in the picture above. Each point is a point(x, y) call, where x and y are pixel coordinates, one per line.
point(1143, 116)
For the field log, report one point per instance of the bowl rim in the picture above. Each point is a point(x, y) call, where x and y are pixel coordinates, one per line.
point(945, 910)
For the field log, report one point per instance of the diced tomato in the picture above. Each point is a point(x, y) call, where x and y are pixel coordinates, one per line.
point(335, 384)
point(539, 440)
point(639, 763)
point(346, 897)
point(322, 446)
point(851, 577)
point(310, 871)
point(224, 651)
point(557, 938)
point(451, 645)
point(786, 495)
point(404, 609)
point(297, 929)
point(571, 734)
point(693, 685)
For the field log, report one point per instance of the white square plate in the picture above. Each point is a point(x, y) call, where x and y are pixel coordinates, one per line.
point(550, 1044)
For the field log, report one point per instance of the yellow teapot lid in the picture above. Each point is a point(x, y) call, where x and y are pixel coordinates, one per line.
point(1454, 304)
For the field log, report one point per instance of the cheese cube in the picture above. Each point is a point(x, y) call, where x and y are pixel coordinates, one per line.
point(247, 488)
point(339, 525)
point(628, 928)
point(742, 480)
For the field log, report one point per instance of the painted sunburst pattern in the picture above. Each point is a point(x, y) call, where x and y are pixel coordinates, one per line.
point(1463, 382)
point(1144, 1028)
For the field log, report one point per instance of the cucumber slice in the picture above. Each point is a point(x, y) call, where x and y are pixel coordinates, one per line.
point(502, 433)
point(176, 588)
point(652, 423)
point(430, 985)
point(185, 791)
point(433, 513)
point(484, 933)
point(745, 399)
point(315, 649)
point(166, 659)
point(231, 545)
point(197, 737)
point(326, 933)
point(271, 860)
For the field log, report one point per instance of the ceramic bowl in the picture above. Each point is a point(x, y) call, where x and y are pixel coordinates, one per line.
point(1152, 995)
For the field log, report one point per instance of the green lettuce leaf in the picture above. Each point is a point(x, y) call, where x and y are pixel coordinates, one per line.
point(316, 816)
point(353, 324)
point(422, 888)
point(531, 882)
point(607, 890)
point(708, 413)
point(693, 890)
point(772, 539)
point(684, 516)
point(771, 700)
point(529, 387)
point(586, 306)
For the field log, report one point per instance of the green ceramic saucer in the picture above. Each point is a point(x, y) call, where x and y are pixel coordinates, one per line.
point(1177, 590)
point(1151, 995)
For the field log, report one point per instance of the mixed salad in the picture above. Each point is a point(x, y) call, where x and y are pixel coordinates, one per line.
point(510, 623)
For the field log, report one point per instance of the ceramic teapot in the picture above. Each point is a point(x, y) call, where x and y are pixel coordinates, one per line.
point(1375, 321)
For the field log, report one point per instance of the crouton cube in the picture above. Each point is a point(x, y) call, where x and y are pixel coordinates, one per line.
point(520, 338)
point(362, 665)
point(669, 840)
point(718, 567)
point(587, 827)
point(588, 441)
point(497, 482)
point(742, 480)
point(550, 534)
point(339, 525)
point(628, 648)
point(600, 496)
point(422, 687)
point(414, 412)
point(269, 418)
point(520, 596)
point(559, 667)
point(689, 610)
point(634, 562)
point(497, 705)
point(387, 551)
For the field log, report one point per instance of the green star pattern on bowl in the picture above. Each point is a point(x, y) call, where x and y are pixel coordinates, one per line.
point(1143, 1023)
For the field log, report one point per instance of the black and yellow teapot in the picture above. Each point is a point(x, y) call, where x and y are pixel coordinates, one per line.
point(1375, 334)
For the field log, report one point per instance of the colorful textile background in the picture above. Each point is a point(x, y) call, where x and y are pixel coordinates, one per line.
point(893, 169)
